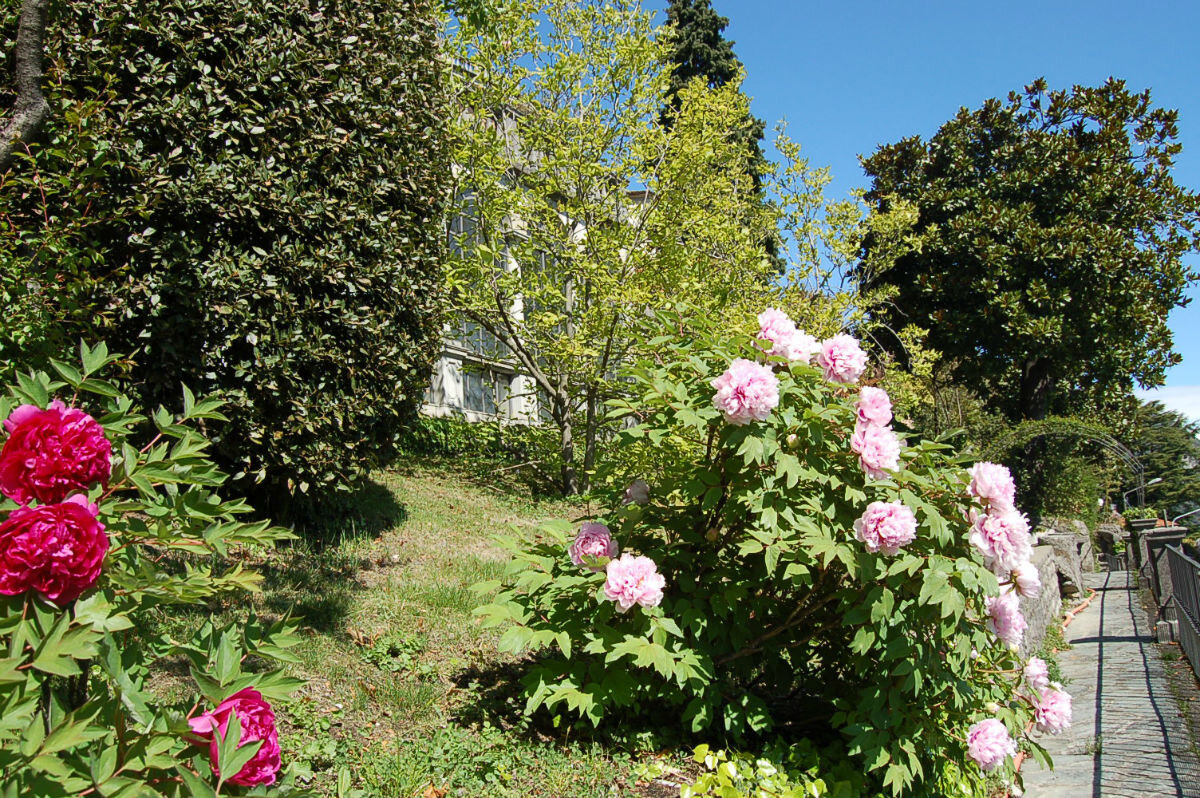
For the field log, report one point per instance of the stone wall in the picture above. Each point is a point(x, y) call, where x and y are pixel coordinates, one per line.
point(1046, 609)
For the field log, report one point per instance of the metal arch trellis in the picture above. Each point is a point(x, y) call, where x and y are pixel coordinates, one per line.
point(1028, 431)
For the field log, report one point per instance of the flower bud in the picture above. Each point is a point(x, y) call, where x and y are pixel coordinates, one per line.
point(712, 535)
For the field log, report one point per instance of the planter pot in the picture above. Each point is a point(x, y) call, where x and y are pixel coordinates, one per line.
point(1143, 523)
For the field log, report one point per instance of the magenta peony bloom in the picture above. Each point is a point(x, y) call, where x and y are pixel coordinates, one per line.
point(1004, 617)
point(886, 526)
point(50, 453)
point(638, 492)
point(1053, 711)
point(633, 580)
point(1037, 673)
point(593, 547)
point(989, 744)
point(842, 359)
point(878, 449)
point(874, 406)
point(1003, 540)
point(257, 720)
point(746, 392)
point(54, 549)
point(775, 326)
point(1027, 580)
point(993, 485)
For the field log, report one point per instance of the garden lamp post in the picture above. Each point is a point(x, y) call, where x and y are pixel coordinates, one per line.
point(1139, 489)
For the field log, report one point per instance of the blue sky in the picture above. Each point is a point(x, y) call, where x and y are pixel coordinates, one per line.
point(849, 76)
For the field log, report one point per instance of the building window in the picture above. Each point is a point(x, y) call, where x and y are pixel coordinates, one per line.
point(478, 341)
point(485, 391)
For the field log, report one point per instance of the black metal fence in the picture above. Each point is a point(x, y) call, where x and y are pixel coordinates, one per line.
point(1185, 584)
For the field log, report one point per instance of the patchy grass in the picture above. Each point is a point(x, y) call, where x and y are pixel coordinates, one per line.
point(406, 692)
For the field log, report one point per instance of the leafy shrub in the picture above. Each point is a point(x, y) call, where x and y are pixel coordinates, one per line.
point(246, 194)
point(779, 771)
point(452, 435)
point(1139, 513)
point(77, 716)
point(771, 605)
point(1073, 490)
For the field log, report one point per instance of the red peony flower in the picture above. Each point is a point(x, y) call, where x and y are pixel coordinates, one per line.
point(55, 549)
point(50, 453)
point(258, 723)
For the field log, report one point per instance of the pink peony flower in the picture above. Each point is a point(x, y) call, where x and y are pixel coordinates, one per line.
point(1003, 540)
point(842, 359)
point(1037, 673)
point(593, 547)
point(878, 449)
point(746, 392)
point(874, 406)
point(775, 326)
point(257, 721)
point(1027, 580)
point(993, 485)
point(1053, 711)
point(633, 580)
point(802, 347)
point(638, 492)
point(54, 549)
point(50, 453)
point(1004, 617)
point(989, 744)
point(886, 527)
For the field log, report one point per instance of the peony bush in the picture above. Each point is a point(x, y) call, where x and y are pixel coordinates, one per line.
point(109, 516)
point(797, 567)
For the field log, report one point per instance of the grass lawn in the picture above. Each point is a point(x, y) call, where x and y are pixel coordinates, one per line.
point(406, 692)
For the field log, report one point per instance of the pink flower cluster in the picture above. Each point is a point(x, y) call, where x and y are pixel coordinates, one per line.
point(786, 340)
point(746, 392)
point(629, 580)
point(1004, 617)
point(842, 359)
point(1001, 534)
point(877, 447)
point(989, 744)
point(1052, 712)
point(257, 721)
point(54, 549)
point(633, 580)
point(57, 547)
point(1037, 674)
point(51, 453)
point(886, 527)
point(593, 547)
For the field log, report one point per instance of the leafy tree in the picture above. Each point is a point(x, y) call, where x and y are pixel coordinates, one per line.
point(1168, 446)
point(1053, 239)
point(562, 261)
point(700, 51)
point(245, 195)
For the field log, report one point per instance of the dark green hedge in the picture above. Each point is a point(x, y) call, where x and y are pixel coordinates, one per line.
point(246, 193)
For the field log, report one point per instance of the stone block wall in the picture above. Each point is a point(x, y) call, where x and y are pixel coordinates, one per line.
point(1046, 609)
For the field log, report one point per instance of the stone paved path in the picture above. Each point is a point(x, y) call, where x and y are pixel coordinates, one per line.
point(1132, 741)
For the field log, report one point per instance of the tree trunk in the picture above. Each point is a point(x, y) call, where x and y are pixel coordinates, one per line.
point(566, 450)
point(30, 109)
point(591, 430)
point(1036, 381)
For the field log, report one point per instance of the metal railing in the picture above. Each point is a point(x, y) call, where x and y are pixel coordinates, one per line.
point(1185, 583)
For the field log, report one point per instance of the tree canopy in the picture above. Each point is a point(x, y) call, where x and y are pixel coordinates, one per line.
point(1168, 446)
point(585, 214)
point(699, 50)
point(1052, 242)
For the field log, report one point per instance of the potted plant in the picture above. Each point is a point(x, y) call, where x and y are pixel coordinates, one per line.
point(1140, 518)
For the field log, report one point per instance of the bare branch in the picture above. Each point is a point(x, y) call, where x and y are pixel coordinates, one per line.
point(31, 108)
